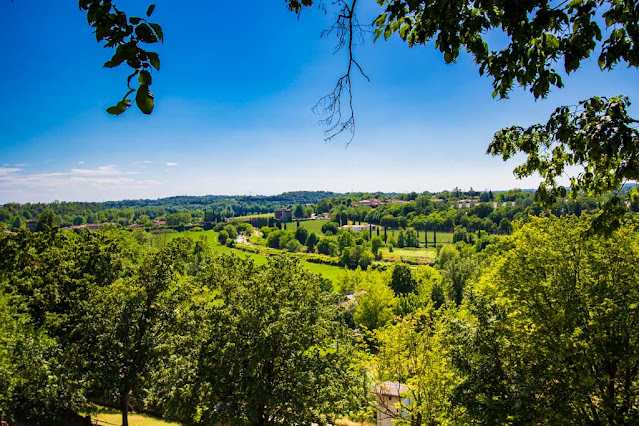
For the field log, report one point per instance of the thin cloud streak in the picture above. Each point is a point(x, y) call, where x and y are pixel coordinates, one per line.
point(107, 178)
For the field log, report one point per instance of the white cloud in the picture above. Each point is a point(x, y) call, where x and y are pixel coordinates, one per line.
point(171, 164)
point(109, 170)
point(89, 182)
point(141, 163)
point(4, 171)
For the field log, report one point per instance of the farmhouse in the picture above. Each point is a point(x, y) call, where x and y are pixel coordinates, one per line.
point(504, 204)
point(467, 203)
point(388, 398)
point(285, 215)
point(370, 203)
point(360, 228)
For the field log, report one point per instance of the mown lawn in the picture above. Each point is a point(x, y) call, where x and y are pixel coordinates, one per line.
point(111, 418)
point(309, 225)
point(333, 273)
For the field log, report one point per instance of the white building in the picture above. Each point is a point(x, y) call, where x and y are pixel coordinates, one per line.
point(388, 401)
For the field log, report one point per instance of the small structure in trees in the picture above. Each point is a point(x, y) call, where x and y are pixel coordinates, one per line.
point(388, 398)
point(284, 215)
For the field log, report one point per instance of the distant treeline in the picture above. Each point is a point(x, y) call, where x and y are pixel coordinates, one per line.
point(491, 211)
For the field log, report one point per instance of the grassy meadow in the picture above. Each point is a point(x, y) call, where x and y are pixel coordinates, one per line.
point(309, 225)
point(410, 255)
point(327, 271)
point(253, 215)
point(442, 237)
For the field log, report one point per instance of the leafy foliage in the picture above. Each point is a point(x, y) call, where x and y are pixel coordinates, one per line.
point(599, 137)
point(541, 34)
point(126, 35)
point(270, 348)
point(552, 336)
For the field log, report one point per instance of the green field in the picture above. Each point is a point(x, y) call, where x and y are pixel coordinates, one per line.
point(110, 417)
point(253, 215)
point(442, 237)
point(332, 273)
point(309, 225)
point(412, 255)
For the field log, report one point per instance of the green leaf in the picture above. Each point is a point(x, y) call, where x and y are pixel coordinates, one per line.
point(448, 57)
point(144, 99)
point(118, 57)
point(158, 31)
point(119, 108)
point(145, 78)
point(150, 10)
point(154, 59)
point(144, 33)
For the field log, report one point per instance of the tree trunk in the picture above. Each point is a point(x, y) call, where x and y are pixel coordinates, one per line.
point(124, 408)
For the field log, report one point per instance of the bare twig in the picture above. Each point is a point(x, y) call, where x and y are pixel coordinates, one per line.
point(346, 28)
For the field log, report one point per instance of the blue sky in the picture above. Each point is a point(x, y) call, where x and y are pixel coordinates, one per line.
point(233, 109)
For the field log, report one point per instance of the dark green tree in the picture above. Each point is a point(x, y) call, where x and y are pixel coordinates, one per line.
point(46, 221)
point(311, 242)
point(402, 281)
point(301, 234)
point(223, 237)
point(298, 212)
point(330, 228)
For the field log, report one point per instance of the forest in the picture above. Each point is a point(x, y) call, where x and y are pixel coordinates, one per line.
point(538, 324)
point(479, 307)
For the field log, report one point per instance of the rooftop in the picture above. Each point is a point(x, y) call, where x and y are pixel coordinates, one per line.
point(390, 389)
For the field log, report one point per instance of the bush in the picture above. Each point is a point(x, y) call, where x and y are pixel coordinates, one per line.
point(293, 246)
point(376, 244)
point(223, 237)
point(328, 246)
point(273, 240)
point(311, 241)
point(232, 230)
point(330, 228)
point(446, 254)
point(301, 234)
point(402, 280)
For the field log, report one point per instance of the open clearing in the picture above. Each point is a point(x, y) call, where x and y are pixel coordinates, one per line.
point(309, 225)
point(332, 273)
point(410, 255)
point(111, 418)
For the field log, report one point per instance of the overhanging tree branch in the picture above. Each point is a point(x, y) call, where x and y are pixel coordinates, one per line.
point(337, 106)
